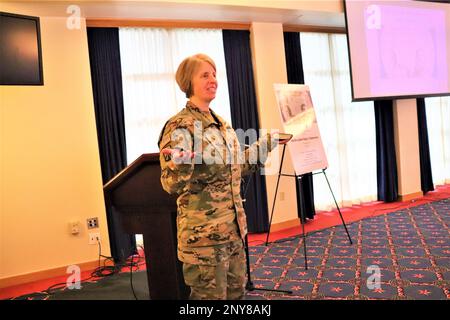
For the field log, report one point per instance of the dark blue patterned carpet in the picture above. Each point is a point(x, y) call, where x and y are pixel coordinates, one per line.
point(410, 248)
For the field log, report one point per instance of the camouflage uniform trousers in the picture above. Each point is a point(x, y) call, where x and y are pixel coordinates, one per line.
point(224, 279)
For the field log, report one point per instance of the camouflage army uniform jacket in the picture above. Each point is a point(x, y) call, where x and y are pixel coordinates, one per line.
point(210, 210)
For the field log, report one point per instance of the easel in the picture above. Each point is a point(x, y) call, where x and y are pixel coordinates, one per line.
point(302, 218)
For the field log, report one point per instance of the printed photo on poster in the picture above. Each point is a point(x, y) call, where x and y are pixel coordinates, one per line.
point(299, 119)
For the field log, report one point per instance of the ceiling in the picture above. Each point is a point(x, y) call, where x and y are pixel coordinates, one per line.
point(181, 10)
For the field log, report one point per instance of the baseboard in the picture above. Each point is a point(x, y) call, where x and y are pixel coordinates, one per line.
point(49, 273)
point(285, 225)
point(411, 196)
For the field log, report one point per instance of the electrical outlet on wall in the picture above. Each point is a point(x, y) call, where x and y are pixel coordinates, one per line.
point(92, 223)
point(94, 238)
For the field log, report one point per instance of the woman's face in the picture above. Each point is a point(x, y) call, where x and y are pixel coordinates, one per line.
point(204, 82)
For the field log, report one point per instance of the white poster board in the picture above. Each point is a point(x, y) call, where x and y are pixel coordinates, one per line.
point(299, 119)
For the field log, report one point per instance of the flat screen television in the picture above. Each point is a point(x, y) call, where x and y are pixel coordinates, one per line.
point(398, 48)
point(20, 50)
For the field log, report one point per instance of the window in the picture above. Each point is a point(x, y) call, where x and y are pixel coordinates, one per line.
point(347, 129)
point(149, 59)
point(438, 124)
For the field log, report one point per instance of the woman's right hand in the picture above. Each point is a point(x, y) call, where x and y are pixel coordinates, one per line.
point(179, 156)
point(282, 138)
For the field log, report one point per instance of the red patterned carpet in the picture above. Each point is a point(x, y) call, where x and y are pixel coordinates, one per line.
point(324, 220)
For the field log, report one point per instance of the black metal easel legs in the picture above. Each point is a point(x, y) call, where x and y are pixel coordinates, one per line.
point(339, 210)
point(249, 286)
point(276, 192)
point(302, 218)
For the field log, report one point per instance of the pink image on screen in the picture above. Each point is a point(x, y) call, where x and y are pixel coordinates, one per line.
point(407, 53)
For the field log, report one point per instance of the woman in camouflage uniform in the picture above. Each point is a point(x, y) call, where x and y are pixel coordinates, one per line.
point(201, 161)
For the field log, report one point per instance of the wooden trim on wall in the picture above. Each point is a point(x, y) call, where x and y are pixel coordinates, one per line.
point(285, 225)
point(50, 273)
point(168, 24)
point(410, 196)
point(296, 28)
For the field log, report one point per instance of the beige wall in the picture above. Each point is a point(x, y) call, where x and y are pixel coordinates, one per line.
point(50, 170)
point(269, 65)
point(407, 147)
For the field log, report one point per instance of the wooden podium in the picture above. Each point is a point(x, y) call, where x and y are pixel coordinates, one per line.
point(145, 208)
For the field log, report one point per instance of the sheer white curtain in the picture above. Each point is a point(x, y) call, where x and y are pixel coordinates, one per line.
point(438, 123)
point(149, 58)
point(347, 129)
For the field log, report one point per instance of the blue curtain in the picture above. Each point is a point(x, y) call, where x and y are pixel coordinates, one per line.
point(244, 115)
point(104, 56)
point(294, 65)
point(426, 177)
point(386, 160)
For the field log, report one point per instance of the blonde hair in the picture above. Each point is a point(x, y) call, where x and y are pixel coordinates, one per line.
point(186, 70)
